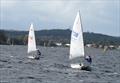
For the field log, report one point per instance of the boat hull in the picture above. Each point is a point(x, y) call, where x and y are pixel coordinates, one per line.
point(81, 67)
point(33, 57)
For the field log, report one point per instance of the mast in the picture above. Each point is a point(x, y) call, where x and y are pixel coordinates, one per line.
point(82, 30)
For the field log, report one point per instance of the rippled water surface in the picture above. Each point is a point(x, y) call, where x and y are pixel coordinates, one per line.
point(53, 67)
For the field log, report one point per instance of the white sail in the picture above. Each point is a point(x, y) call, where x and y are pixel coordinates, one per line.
point(77, 44)
point(31, 40)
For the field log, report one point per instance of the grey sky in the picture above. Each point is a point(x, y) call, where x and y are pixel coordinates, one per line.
point(99, 16)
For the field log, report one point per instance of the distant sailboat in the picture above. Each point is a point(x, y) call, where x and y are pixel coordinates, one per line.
point(10, 41)
point(32, 50)
point(77, 53)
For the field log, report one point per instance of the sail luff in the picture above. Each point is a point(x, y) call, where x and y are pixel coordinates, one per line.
point(82, 32)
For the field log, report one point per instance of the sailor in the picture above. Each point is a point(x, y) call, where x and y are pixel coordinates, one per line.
point(38, 54)
point(87, 63)
point(88, 59)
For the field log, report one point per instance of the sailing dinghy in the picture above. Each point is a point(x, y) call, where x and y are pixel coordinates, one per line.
point(77, 53)
point(32, 51)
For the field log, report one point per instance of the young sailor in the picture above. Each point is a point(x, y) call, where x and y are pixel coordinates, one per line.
point(87, 63)
point(88, 59)
point(38, 54)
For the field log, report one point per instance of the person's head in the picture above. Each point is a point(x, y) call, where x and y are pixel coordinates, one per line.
point(89, 56)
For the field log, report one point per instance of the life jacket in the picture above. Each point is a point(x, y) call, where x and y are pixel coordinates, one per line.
point(89, 59)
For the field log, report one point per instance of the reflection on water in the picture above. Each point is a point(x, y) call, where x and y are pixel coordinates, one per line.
point(53, 67)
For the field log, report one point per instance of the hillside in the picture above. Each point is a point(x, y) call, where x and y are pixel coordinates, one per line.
point(60, 35)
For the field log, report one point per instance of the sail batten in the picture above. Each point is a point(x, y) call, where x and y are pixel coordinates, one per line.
point(77, 44)
point(31, 40)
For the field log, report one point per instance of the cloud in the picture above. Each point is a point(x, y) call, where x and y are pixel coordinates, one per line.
point(8, 3)
point(97, 15)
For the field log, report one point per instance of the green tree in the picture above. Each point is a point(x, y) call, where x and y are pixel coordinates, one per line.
point(3, 37)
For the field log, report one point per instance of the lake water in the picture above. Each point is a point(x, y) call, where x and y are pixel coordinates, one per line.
point(53, 67)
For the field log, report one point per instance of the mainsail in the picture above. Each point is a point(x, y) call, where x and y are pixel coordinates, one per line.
point(77, 44)
point(31, 40)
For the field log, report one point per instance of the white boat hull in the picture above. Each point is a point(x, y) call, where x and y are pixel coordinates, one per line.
point(81, 67)
point(76, 66)
point(31, 57)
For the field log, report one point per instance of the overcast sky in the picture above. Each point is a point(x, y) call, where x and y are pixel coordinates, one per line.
point(99, 16)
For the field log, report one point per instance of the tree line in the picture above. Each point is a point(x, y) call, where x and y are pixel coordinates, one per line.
point(50, 37)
